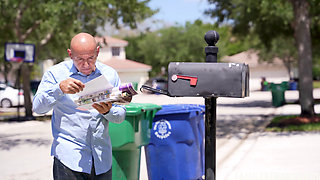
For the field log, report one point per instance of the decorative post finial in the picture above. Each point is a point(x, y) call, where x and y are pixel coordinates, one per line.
point(211, 37)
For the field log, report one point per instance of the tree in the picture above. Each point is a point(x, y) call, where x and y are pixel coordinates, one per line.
point(180, 43)
point(282, 48)
point(176, 43)
point(302, 24)
point(50, 24)
point(271, 20)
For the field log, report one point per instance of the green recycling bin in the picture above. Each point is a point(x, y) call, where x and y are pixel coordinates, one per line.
point(278, 93)
point(128, 137)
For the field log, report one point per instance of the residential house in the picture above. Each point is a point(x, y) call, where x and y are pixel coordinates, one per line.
point(274, 71)
point(112, 53)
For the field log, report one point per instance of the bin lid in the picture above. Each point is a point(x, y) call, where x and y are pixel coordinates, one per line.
point(281, 86)
point(133, 110)
point(145, 106)
point(180, 108)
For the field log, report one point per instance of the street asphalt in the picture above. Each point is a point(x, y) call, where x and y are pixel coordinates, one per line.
point(244, 150)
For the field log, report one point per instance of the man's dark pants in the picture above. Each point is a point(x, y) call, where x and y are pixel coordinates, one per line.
point(62, 172)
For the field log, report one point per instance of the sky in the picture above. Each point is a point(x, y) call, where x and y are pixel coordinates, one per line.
point(171, 12)
point(180, 11)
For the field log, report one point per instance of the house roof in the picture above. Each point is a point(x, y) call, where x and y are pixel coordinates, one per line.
point(127, 65)
point(251, 58)
point(110, 41)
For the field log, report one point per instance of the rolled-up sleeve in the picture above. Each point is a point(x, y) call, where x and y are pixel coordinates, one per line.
point(116, 114)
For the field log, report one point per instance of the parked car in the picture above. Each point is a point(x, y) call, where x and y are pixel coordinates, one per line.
point(9, 96)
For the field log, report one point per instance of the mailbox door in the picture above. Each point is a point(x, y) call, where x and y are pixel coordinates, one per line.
point(207, 79)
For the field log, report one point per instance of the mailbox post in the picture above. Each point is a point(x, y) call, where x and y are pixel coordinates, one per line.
point(211, 51)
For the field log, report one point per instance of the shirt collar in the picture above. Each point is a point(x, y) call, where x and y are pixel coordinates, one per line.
point(74, 70)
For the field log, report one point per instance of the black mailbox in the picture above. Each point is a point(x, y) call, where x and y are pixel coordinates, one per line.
point(208, 79)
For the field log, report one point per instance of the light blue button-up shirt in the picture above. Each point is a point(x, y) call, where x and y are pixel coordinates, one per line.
point(78, 136)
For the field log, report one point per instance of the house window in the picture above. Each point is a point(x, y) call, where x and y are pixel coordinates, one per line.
point(115, 51)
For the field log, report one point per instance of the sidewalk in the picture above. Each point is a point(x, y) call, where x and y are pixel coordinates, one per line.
point(274, 156)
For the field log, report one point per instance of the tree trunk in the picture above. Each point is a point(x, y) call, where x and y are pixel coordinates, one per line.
point(26, 89)
point(303, 41)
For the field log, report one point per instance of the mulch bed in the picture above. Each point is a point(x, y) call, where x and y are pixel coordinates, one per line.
point(295, 121)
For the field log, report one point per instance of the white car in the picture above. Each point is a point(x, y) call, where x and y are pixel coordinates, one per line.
point(9, 96)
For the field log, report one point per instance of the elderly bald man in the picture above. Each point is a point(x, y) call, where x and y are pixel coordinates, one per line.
point(81, 144)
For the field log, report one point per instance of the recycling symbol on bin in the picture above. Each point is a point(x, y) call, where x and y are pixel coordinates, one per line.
point(162, 129)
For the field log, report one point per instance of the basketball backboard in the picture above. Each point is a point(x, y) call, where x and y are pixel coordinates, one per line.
point(18, 52)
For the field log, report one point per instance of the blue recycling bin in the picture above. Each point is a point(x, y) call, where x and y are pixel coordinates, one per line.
point(176, 148)
point(293, 85)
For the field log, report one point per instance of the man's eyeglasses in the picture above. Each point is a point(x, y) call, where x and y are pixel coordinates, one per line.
point(81, 60)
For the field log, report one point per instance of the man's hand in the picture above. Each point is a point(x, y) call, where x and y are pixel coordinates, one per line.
point(71, 86)
point(127, 98)
point(102, 107)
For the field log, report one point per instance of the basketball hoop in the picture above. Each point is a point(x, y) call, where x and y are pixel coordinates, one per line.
point(19, 52)
point(16, 59)
point(16, 54)
point(16, 63)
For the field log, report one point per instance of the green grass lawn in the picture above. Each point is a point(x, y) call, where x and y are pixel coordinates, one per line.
point(316, 84)
point(312, 127)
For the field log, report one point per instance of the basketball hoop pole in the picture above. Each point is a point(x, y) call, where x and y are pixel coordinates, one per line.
point(20, 54)
point(19, 88)
point(18, 62)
